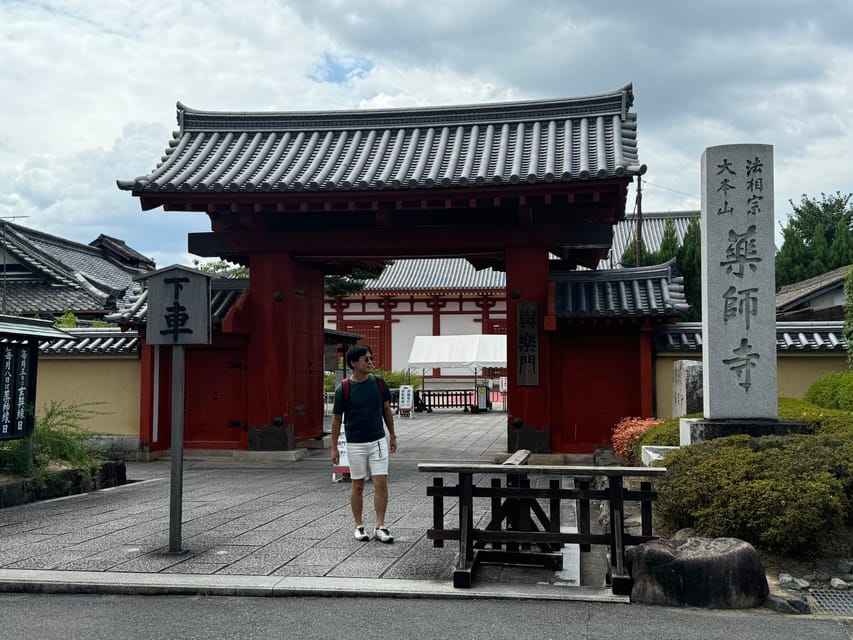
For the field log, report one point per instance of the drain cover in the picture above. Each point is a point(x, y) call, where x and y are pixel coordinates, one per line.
point(838, 602)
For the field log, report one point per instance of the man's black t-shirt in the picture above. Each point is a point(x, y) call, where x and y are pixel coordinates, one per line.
point(363, 414)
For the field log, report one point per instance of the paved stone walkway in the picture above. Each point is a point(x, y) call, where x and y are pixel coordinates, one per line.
point(284, 519)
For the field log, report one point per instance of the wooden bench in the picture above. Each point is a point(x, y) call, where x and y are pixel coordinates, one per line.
point(519, 532)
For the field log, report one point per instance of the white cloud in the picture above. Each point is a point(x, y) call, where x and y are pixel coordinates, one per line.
point(89, 88)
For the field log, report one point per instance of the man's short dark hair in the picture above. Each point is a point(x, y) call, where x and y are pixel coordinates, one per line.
point(356, 352)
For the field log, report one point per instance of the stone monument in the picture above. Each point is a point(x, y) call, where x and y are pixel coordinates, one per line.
point(738, 296)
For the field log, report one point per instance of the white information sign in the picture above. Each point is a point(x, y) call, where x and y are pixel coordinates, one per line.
point(503, 384)
point(343, 463)
point(406, 399)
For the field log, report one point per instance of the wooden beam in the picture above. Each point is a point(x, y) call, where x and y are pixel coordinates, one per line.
point(460, 240)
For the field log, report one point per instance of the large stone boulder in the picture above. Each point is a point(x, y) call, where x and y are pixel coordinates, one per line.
point(717, 573)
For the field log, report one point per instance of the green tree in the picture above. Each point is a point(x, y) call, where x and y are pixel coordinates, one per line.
point(818, 238)
point(629, 257)
point(342, 285)
point(668, 244)
point(335, 285)
point(848, 316)
point(689, 263)
point(222, 268)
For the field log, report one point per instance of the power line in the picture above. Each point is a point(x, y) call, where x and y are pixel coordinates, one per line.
point(681, 193)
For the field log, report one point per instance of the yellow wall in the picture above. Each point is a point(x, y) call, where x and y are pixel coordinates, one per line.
point(113, 380)
point(796, 373)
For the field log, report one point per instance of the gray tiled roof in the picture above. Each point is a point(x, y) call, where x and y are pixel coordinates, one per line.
point(52, 274)
point(96, 341)
point(686, 337)
point(793, 294)
point(224, 292)
point(435, 275)
point(459, 146)
point(654, 224)
point(40, 298)
point(634, 291)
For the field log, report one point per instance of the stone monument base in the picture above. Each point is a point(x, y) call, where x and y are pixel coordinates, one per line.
point(700, 429)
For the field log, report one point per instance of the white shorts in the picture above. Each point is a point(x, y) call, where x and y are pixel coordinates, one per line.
point(364, 455)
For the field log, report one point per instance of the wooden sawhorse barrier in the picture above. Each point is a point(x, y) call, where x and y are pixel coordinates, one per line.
point(519, 531)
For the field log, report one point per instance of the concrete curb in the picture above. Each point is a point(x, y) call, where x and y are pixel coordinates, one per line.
point(119, 583)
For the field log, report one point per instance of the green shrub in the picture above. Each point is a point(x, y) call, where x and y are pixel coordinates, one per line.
point(329, 381)
point(393, 378)
point(779, 493)
point(665, 434)
point(832, 391)
point(58, 437)
point(397, 378)
point(626, 437)
point(817, 419)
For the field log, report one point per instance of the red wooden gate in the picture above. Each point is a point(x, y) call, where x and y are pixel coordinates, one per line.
point(213, 399)
point(599, 385)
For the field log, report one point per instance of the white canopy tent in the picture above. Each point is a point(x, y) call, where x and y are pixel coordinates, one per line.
point(470, 351)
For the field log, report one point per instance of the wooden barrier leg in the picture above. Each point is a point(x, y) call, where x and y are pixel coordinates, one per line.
point(554, 504)
point(621, 583)
point(583, 514)
point(524, 511)
point(495, 524)
point(438, 512)
point(463, 574)
point(646, 510)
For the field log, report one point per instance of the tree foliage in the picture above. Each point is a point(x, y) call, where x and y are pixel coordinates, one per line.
point(848, 316)
point(688, 261)
point(334, 285)
point(342, 285)
point(818, 238)
point(222, 268)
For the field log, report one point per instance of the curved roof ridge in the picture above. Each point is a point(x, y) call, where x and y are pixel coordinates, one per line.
point(663, 270)
point(617, 101)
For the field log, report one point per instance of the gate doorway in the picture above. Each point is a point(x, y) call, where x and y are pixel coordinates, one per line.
point(214, 391)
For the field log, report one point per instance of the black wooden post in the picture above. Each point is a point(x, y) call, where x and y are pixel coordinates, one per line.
point(583, 513)
point(438, 511)
point(646, 510)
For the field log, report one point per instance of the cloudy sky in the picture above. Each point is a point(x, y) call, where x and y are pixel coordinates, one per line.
point(89, 87)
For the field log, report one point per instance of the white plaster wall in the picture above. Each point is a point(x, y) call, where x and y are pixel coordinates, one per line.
point(829, 299)
point(403, 335)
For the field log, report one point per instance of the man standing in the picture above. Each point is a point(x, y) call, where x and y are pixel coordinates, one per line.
point(366, 402)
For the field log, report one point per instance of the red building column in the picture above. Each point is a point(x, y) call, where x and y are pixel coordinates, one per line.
point(527, 342)
point(146, 396)
point(436, 304)
point(285, 353)
point(646, 372)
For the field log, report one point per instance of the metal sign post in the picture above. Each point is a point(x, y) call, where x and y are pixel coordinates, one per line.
point(178, 314)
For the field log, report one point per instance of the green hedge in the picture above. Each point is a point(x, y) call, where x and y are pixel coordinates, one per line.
point(783, 494)
point(393, 378)
point(832, 391)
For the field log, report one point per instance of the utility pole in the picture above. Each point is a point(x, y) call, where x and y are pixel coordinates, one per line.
point(638, 205)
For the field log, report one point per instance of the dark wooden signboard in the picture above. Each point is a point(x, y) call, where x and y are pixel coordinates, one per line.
point(17, 389)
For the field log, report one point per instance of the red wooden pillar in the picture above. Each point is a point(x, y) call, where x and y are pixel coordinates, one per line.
point(436, 304)
point(387, 305)
point(646, 372)
point(146, 396)
point(527, 289)
point(285, 353)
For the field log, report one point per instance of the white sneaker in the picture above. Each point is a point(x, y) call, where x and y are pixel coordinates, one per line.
point(360, 534)
point(383, 535)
